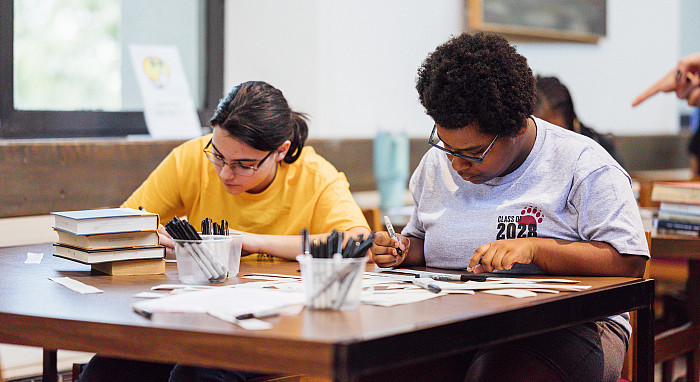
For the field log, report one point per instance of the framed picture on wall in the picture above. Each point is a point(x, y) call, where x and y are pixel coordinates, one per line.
point(539, 20)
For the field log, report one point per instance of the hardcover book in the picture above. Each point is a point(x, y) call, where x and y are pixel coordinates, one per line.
point(680, 208)
point(105, 220)
point(131, 267)
point(109, 240)
point(676, 192)
point(106, 255)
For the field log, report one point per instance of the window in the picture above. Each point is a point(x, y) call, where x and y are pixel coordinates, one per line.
point(65, 69)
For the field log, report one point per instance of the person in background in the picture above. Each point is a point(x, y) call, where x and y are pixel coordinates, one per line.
point(684, 79)
point(255, 172)
point(555, 105)
point(502, 191)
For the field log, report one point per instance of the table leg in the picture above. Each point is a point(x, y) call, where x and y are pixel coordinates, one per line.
point(645, 342)
point(50, 372)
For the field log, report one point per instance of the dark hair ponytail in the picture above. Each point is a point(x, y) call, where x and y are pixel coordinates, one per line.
point(258, 114)
point(301, 131)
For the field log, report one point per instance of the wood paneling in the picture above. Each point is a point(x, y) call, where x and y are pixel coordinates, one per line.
point(40, 176)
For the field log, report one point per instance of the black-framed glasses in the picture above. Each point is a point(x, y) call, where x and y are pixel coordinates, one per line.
point(435, 142)
point(238, 168)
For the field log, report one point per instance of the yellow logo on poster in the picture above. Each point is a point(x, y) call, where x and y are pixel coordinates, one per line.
point(157, 71)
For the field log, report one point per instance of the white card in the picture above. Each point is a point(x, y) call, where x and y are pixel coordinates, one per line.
point(168, 106)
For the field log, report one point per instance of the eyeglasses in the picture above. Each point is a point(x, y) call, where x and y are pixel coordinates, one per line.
point(239, 169)
point(435, 142)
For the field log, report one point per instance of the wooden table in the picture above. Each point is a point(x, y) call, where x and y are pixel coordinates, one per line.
point(678, 341)
point(342, 346)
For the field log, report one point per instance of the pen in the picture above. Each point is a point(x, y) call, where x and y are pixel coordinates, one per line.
point(448, 277)
point(260, 314)
point(426, 283)
point(143, 312)
point(392, 233)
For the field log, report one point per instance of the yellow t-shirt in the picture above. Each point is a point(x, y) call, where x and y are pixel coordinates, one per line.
point(309, 193)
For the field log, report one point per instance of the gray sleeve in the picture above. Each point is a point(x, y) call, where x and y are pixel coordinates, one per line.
point(608, 212)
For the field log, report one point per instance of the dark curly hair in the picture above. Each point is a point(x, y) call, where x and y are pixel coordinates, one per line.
point(477, 79)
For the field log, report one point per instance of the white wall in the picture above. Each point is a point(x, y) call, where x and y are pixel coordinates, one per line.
point(641, 45)
point(352, 65)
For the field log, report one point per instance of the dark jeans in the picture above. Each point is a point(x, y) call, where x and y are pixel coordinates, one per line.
point(103, 369)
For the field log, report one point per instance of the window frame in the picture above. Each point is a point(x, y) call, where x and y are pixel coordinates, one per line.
point(64, 124)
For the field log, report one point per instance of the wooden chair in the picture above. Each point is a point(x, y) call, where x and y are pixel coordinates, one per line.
point(629, 367)
point(374, 218)
point(682, 341)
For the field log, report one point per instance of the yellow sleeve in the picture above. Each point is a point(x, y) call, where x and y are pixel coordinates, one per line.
point(336, 208)
point(160, 193)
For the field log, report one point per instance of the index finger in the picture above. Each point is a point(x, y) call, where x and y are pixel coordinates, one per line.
point(666, 83)
point(476, 257)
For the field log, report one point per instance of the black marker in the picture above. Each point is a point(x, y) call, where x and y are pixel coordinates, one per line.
point(449, 277)
point(392, 233)
point(143, 312)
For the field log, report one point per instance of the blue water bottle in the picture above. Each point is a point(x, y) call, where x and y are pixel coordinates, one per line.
point(391, 166)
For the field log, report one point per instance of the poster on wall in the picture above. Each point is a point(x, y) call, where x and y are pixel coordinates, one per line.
point(539, 20)
point(169, 109)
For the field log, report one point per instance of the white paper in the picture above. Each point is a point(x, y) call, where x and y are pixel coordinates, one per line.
point(236, 300)
point(168, 106)
point(75, 285)
point(394, 297)
point(150, 295)
point(34, 258)
point(517, 293)
point(225, 314)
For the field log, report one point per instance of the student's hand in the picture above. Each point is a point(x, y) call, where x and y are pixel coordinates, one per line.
point(501, 255)
point(167, 241)
point(383, 250)
point(684, 80)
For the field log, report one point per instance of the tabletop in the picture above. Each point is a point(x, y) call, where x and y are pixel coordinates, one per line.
point(38, 312)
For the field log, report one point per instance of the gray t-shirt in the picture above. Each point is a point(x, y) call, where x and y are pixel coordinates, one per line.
point(568, 188)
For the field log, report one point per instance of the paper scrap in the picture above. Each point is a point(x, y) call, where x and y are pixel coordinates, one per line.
point(392, 298)
point(75, 285)
point(150, 295)
point(225, 314)
point(238, 300)
point(517, 293)
point(34, 258)
point(515, 280)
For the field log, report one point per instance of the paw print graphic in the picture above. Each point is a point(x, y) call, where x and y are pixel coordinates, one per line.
point(531, 215)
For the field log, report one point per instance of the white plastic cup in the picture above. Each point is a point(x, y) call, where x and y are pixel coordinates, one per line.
point(210, 260)
point(332, 284)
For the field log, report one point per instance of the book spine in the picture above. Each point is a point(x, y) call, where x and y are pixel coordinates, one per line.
point(679, 217)
point(669, 224)
point(677, 232)
point(662, 193)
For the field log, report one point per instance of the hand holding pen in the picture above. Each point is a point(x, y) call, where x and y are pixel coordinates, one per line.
point(389, 249)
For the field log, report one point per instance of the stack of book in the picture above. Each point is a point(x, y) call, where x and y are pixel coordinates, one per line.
point(679, 208)
point(115, 241)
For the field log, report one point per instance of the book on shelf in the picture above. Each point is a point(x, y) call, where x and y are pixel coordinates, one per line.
point(678, 217)
point(676, 232)
point(675, 225)
point(105, 220)
point(680, 208)
point(676, 192)
point(131, 267)
point(90, 256)
point(109, 240)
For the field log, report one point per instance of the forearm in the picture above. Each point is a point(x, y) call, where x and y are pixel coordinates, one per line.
point(585, 258)
point(288, 247)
